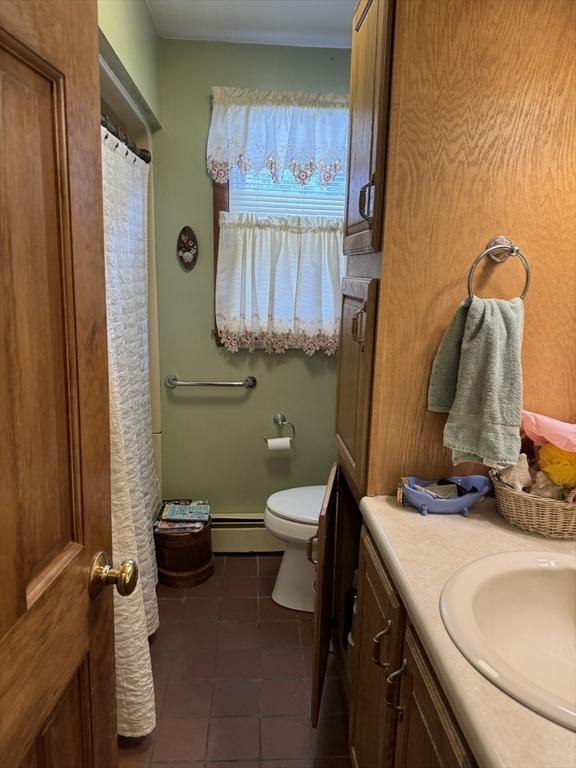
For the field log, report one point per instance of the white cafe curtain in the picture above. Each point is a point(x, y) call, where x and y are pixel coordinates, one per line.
point(135, 486)
point(305, 133)
point(278, 282)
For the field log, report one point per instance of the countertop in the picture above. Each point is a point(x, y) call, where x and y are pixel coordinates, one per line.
point(421, 553)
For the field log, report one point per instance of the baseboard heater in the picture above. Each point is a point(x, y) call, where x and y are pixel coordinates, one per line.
point(236, 522)
point(239, 533)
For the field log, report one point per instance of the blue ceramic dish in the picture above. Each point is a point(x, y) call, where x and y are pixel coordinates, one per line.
point(426, 504)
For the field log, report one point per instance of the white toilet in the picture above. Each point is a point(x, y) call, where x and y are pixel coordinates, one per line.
point(292, 516)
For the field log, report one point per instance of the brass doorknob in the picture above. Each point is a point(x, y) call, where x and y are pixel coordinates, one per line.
point(101, 573)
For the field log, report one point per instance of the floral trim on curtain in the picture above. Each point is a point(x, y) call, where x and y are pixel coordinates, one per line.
point(278, 283)
point(306, 133)
point(278, 343)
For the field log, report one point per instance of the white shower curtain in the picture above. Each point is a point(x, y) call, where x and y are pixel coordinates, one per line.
point(135, 487)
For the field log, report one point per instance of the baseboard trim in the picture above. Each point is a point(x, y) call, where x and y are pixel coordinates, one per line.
point(244, 539)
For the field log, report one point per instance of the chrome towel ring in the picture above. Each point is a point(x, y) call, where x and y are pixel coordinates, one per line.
point(499, 249)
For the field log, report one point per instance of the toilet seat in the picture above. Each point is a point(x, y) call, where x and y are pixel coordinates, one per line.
point(298, 505)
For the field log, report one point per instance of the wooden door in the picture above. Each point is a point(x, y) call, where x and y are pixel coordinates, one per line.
point(354, 383)
point(57, 690)
point(378, 652)
point(428, 736)
point(369, 94)
point(324, 590)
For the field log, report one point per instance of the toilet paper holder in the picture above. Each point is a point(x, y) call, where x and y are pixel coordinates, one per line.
point(281, 421)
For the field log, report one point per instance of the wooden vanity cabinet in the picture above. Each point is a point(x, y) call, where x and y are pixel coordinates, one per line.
point(377, 651)
point(337, 559)
point(427, 735)
point(398, 714)
point(369, 89)
point(354, 378)
point(346, 549)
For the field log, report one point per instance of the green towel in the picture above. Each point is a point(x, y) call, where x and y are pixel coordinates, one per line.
point(477, 379)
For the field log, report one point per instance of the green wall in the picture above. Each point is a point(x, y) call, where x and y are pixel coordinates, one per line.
point(128, 27)
point(212, 444)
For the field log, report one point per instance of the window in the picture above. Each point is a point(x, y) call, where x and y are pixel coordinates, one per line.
point(257, 193)
point(277, 164)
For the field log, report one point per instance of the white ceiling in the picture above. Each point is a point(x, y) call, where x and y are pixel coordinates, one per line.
point(310, 23)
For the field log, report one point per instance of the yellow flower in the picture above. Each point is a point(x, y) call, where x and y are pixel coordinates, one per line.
point(559, 465)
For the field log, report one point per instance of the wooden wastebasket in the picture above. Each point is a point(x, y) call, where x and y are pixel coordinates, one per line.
point(184, 559)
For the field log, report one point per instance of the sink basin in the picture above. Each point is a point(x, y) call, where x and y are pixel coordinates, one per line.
point(513, 616)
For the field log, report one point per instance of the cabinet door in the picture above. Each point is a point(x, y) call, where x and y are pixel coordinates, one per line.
point(347, 548)
point(369, 90)
point(323, 609)
point(427, 736)
point(359, 304)
point(378, 649)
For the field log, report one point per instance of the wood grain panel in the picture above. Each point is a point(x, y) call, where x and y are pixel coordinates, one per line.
point(362, 106)
point(373, 723)
point(347, 546)
point(482, 142)
point(369, 91)
point(31, 759)
point(427, 735)
point(56, 628)
point(63, 741)
point(354, 379)
point(34, 347)
point(54, 403)
point(324, 587)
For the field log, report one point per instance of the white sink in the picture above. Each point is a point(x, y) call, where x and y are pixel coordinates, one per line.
point(513, 616)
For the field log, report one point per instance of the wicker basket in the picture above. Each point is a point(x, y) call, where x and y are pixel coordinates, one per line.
point(547, 517)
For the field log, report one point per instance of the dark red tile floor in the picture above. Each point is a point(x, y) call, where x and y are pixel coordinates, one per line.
point(232, 678)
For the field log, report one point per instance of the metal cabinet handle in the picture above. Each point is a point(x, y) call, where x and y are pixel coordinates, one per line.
point(390, 680)
point(310, 549)
point(354, 325)
point(393, 676)
point(362, 200)
point(376, 646)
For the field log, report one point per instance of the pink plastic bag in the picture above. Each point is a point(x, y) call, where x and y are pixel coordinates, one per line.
point(543, 429)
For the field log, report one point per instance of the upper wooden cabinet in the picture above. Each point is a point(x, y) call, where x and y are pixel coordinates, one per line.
point(369, 89)
point(359, 304)
point(436, 141)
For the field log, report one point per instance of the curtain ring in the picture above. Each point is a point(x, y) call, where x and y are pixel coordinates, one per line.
point(105, 137)
point(117, 144)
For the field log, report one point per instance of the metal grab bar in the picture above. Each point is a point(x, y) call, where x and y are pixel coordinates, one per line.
point(171, 381)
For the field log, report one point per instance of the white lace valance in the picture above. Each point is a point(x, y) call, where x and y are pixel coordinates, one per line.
point(278, 282)
point(305, 133)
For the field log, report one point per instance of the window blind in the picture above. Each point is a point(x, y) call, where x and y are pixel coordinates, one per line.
point(256, 193)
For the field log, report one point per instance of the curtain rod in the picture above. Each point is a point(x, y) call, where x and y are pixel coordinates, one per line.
point(143, 154)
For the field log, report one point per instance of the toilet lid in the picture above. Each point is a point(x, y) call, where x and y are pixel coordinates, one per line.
point(302, 505)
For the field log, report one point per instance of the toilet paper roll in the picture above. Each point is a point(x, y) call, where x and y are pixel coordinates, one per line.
point(278, 443)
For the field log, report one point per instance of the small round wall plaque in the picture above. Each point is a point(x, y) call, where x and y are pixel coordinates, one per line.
point(187, 248)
